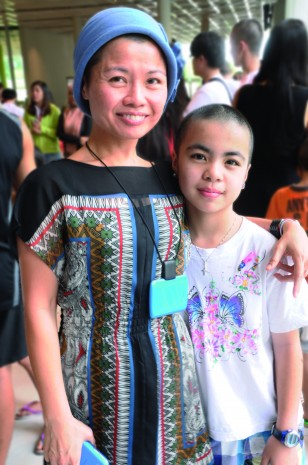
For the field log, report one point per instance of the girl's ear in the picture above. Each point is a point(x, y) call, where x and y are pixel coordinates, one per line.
point(247, 172)
point(174, 160)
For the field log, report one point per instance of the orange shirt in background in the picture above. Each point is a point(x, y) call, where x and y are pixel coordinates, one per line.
point(290, 202)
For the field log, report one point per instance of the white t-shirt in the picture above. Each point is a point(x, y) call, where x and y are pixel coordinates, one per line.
point(232, 311)
point(14, 109)
point(248, 78)
point(209, 93)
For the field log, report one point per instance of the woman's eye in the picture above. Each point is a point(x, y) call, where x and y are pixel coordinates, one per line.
point(153, 81)
point(117, 79)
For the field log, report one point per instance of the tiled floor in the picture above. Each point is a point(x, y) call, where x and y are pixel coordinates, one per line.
point(27, 430)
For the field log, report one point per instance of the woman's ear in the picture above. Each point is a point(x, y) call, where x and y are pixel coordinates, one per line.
point(84, 91)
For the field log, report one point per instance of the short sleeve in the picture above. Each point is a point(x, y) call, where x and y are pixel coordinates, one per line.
point(285, 312)
point(38, 216)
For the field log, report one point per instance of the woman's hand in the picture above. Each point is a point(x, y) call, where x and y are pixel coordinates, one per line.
point(63, 440)
point(294, 243)
point(36, 127)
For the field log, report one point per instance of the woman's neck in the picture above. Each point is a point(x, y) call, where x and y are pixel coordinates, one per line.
point(106, 150)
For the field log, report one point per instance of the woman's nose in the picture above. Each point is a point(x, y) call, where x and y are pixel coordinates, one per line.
point(135, 95)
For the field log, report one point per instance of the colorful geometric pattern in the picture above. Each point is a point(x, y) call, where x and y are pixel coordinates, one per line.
point(91, 244)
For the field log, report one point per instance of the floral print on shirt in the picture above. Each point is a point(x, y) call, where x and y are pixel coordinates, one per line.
point(217, 319)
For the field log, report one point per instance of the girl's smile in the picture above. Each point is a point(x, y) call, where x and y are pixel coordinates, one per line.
point(213, 164)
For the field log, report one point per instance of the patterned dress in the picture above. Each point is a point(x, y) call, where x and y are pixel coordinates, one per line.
point(132, 379)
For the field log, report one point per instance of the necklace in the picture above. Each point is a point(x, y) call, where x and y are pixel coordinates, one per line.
point(113, 174)
point(205, 260)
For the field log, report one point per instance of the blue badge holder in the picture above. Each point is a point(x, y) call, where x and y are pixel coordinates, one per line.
point(91, 456)
point(168, 296)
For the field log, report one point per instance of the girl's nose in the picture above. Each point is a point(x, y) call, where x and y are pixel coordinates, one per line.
point(212, 172)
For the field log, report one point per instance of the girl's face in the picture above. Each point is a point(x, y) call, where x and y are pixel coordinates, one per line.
point(127, 89)
point(212, 164)
point(37, 94)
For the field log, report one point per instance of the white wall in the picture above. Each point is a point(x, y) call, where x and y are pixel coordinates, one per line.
point(297, 9)
point(48, 56)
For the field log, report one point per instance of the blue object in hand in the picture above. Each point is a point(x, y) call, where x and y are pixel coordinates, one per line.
point(91, 456)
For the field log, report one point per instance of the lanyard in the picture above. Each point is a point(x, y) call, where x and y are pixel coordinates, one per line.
point(168, 268)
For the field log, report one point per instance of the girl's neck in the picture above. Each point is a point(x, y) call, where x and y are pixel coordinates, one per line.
point(211, 230)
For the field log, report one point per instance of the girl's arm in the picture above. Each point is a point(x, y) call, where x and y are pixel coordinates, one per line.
point(288, 377)
point(294, 242)
point(63, 433)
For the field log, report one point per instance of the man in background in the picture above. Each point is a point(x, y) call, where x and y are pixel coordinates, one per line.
point(9, 97)
point(246, 41)
point(208, 52)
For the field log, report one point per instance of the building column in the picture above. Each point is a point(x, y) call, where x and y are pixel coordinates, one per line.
point(77, 26)
point(164, 16)
point(297, 9)
point(205, 23)
point(285, 9)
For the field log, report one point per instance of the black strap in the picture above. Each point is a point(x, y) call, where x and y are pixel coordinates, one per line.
point(224, 84)
point(134, 203)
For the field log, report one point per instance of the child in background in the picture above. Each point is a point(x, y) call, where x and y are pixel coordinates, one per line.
point(244, 323)
point(292, 201)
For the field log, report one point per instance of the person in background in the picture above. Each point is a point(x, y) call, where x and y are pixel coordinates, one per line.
point(227, 73)
point(246, 41)
point(208, 52)
point(42, 117)
point(74, 126)
point(9, 97)
point(243, 322)
point(276, 108)
point(16, 162)
point(292, 201)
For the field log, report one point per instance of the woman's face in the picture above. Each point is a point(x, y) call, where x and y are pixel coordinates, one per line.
point(37, 94)
point(127, 89)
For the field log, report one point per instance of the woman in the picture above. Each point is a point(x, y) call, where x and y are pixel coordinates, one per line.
point(74, 126)
point(276, 107)
point(106, 223)
point(42, 118)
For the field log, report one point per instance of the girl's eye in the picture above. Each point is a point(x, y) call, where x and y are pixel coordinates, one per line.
point(198, 156)
point(232, 162)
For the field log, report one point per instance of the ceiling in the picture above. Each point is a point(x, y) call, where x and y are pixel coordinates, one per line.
point(186, 15)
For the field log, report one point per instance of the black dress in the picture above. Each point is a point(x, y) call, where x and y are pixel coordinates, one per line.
point(130, 377)
point(274, 157)
point(12, 338)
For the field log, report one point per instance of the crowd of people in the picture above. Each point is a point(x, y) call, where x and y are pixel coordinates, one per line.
point(133, 191)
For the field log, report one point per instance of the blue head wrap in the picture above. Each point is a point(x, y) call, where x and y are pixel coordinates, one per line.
point(176, 48)
point(115, 22)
